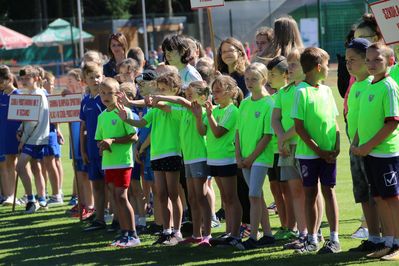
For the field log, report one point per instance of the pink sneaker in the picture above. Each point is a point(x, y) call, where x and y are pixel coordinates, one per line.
point(205, 243)
point(191, 240)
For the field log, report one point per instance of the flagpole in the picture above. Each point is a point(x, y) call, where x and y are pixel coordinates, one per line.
point(81, 47)
point(145, 30)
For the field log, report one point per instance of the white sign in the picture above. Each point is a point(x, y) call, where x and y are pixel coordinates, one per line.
point(386, 13)
point(195, 4)
point(24, 107)
point(309, 32)
point(64, 109)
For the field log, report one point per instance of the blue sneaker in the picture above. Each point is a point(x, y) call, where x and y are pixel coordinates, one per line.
point(73, 201)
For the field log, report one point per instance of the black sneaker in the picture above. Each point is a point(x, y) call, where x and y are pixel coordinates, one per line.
point(95, 225)
point(114, 227)
point(250, 243)
point(234, 242)
point(365, 246)
point(296, 244)
point(330, 247)
point(168, 240)
point(153, 228)
point(220, 240)
point(308, 248)
point(265, 241)
point(220, 214)
point(30, 207)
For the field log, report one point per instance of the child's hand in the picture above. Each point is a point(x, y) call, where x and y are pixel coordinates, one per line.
point(19, 135)
point(148, 100)
point(85, 158)
point(137, 155)
point(123, 99)
point(362, 150)
point(208, 107)
point(196, 109)
point(247, 163)
point(60, 138)
point(105, 145)
point(65, 92)
point(121, 111)
point(283, 148)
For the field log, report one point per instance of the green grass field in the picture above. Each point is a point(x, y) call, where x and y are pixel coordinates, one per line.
point(52, 238)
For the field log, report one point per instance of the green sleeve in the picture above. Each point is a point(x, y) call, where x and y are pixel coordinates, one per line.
point(99, 131)
point(267, 128)
point(277, 100)
point(390, 100)
point(229, 119)
point(298, 109)
point(149, 116)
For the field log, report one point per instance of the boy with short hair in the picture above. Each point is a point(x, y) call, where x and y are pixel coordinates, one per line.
point(314, 114)
point(33, 136)
point(379, 142)
point(91, 108)
point(114, 138)
point(356, 65)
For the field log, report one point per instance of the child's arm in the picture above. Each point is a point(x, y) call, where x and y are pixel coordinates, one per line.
point(383, 133)
point(304, 135)
point(83, 140)
point(145, 144)
point(172, 99)
point(238, 151)
point(123, 115)
point(197, 111)
point(217, 130)
point(263, 142)
point(60, 136)
point(279, 130)
point(105, 144)
point(130, 103)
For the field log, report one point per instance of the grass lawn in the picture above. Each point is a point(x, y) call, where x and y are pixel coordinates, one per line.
point(50, 238)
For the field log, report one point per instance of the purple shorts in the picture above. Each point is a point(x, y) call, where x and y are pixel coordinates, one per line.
point(383, 176)
point(313, 169)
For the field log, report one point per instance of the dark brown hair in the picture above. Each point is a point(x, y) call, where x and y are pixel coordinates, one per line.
point(229, 84)
point(180, 44)
point(121, 39)
point(171, 79)
point(242, 61)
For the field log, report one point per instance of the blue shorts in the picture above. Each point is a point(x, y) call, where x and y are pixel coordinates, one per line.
point(2, 158)
point(136, 172)
point(383, 176)
point(80, 166)
point(52, 150)
point(11, 147)
point(148, 174)
point(94, 170)
point(34, 151)
point(314, 169)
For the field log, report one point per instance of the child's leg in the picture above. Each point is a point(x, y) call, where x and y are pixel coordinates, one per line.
point(39, 179)
point(51, 167)
point(393, 203)
point(99, 198)
point(23, 173)
point(11, 162)
point(232, 204)
point(289, 208)
point(279, 201)
point(138, 195)
point(201, 192)
point(298, 200)
point(265, 221)
point(60, 172)
point(173, 184)
point(319, 207)
point(211, 196)
point(196, 216)
point(331, 207)
point(125, 210)
point(371, 218)
point(162, 193)
point(5, 180)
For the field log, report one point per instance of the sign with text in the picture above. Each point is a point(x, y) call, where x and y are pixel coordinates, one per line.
point(195, 4)
point(24, 107)
point(386, 13)
point(64, 109)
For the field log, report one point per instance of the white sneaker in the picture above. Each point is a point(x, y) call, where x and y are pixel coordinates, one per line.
point(128, 242)
point(8, 201)
point(178, 236)
point(361, 233)
point(55, 200)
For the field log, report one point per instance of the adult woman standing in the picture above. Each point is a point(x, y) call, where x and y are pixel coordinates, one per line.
point(117, 51)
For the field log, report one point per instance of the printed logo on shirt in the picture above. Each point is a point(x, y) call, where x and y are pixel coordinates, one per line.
point(113, 121)
point(257, 114)
point(357, 94)
point(391, 179)
point(371, 97)
point(304, 171)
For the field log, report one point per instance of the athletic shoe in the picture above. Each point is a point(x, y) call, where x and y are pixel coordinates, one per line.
point(153, 228)
point(168, 240)
point(235, 242)
point(205, 243)
point(245, 230)
point(55, 200)
point(215, 223)
point(220, 240)
point(296, 244)
point(178, 236)
point(380, 252)
point(308, 248)
point(43, 205)
point(8, 201)
point(365, 246)
point(73, 201)
point(128, 242)
point(393, 254)
point(2, 199)
point(117, 240)
point(87, 214)
point(272, 208)
point(149, 210)
point(113, 227)
point(23, 200)
point(141, 229)
point(265, 241)
point(330, 247)
point(220, 214)
point(95, 225)
point(73, 210)
point(285, 234)
point(191, 240)
point(361, 233)
point(250, 243)
point(30, 207)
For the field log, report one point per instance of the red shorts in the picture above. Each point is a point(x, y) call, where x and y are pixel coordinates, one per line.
point(118, 177)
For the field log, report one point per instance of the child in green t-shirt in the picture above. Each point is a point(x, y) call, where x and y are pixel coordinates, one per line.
point(378, 136)
point(314, 112)
point(277, 79)
point(165, 156)
point(254, 150)
point(355, 62)
point(114, 138)
point(195, 156)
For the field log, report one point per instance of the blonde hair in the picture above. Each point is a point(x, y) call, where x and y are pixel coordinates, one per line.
point(128, 87)
point(110, 83)
point(163, 69)
point(230, 85)
point(48, 75)
point(172, 80)
point(29, 70)
point(93, 56)
point(295, 53)
point(91, 67)
point(76, 73)
point(259, 68)
point(242, 61)
point(286, 37)
point(201, 88)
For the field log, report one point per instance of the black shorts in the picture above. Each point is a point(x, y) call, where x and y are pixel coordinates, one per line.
point(167, 164)
point(274, 173)
point(223, 170)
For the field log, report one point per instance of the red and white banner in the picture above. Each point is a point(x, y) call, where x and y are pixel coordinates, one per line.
point(386, 13)
point(24, 107)
point(195, 4)
point(64, 109)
